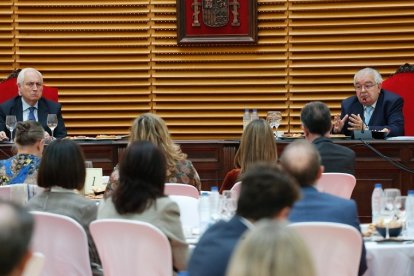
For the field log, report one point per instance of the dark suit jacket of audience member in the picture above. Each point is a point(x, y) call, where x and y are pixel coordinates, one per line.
point(335, 158)
point(15, 107)
point(214, 249)
point(317, 206)
point(387, 113)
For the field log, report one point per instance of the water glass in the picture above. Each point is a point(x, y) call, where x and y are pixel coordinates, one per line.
point(228, 205)
point(11, 123)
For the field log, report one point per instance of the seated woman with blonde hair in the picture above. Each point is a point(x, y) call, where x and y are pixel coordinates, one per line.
point(271, 249)
point(22, 167)
point(257, 144)
point(150, 127)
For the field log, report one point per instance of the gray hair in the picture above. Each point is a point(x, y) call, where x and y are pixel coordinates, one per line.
point(369, 71)
point(22, 74)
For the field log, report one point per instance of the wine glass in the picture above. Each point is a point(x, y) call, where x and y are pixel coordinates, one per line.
point(11, 123)
point(52, 122)
point(274, 118)
point(228, 205)
point(387, 213)
point(399, 205)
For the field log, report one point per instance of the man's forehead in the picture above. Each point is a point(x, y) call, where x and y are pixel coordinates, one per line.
point(365, 77)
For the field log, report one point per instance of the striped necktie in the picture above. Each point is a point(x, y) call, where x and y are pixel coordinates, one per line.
point(368, 113)
point(31, 114)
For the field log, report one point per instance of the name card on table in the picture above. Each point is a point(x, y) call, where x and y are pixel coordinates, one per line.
point(93, 181)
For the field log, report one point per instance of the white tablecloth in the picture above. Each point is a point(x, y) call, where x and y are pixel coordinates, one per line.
point(390, 259)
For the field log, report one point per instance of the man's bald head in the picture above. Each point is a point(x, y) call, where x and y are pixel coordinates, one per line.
point(302, 161)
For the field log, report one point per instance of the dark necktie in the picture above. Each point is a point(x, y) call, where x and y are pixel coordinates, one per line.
point(31, 114)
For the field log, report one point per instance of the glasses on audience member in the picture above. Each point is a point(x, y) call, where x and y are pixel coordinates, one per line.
point(367, 86)
point(32, 84)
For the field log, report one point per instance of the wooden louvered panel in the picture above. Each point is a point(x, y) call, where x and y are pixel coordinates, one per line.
point(96, 53)
point(6, 37)
point(331, 40)
point(202, 91)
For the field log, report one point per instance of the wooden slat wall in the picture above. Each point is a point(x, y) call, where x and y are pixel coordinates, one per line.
point(6, 37)
point(113, 60)
point(331, 40)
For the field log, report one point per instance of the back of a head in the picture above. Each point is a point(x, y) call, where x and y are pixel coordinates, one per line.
point(316, 117)
point(28, 133)
point(270, 249)
point(150, 127)
point(16, 227)
point(265, 191)
point(257, 144)
point(141, 177)
point(302, 161)
point(63, 165)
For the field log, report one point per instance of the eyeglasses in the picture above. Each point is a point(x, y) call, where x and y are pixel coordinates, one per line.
point(32, 84)
point(367, 86)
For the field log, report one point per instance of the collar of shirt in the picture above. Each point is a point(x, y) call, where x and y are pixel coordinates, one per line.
point(26, 106)
point(373, 106)
point(57, 189)
point(246, 222)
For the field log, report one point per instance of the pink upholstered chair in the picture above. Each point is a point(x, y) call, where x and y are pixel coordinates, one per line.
point(339, 184)
point(236, 190)
point(181, 189)
point(138, 248)
point(335, 247)
point(64, 244)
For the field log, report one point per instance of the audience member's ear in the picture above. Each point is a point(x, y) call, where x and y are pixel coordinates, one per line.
point(283, 214)
point(21, 266)
point(320, 172)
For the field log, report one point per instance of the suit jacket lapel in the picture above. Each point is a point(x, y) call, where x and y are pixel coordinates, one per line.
point(18, 109)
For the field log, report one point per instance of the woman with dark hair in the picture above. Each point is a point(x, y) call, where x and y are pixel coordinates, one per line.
point(22, 168)
point(140, 196)
point(62, 173)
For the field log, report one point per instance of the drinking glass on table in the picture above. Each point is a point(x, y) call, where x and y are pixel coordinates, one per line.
point(11, 123)
point(274, 118)
point(227, 205)
point(52, 122)
point(399, 205)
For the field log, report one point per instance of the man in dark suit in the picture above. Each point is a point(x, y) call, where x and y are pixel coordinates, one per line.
point(30, 105)
point(266, 192)
point(302, 161)
point(316, 124)
point(371, 108)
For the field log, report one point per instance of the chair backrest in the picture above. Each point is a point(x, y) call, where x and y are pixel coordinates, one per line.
point(181, 189)
point(35, 265)
point(129, 247)
point(189, 215)
point(339, 184)
point(403, 85)
point(236, 190)
point(8, 90)
point(335, 248)
point(64, 243)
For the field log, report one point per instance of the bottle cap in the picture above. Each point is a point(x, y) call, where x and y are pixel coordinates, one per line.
point(378, 185)
point(204, 193)
point(214, 189)
point(411, 192)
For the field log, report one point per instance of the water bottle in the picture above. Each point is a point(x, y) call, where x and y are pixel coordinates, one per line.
point(409, 214)
point(214, 204)
point(376, 202)
point(246, 118)
point(255, 116)
point(204, 211)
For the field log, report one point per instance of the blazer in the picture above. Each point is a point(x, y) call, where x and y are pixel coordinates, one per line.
point(165, 215)
point(68, 203)
point(15, 107)
point(335, 158)
point(317, 206)
point(214, 249)
point(388, 113)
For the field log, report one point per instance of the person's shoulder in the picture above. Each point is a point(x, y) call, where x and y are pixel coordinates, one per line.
point(389, 95)
point(49, 103)
point(10, 102)
point(350, 100)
